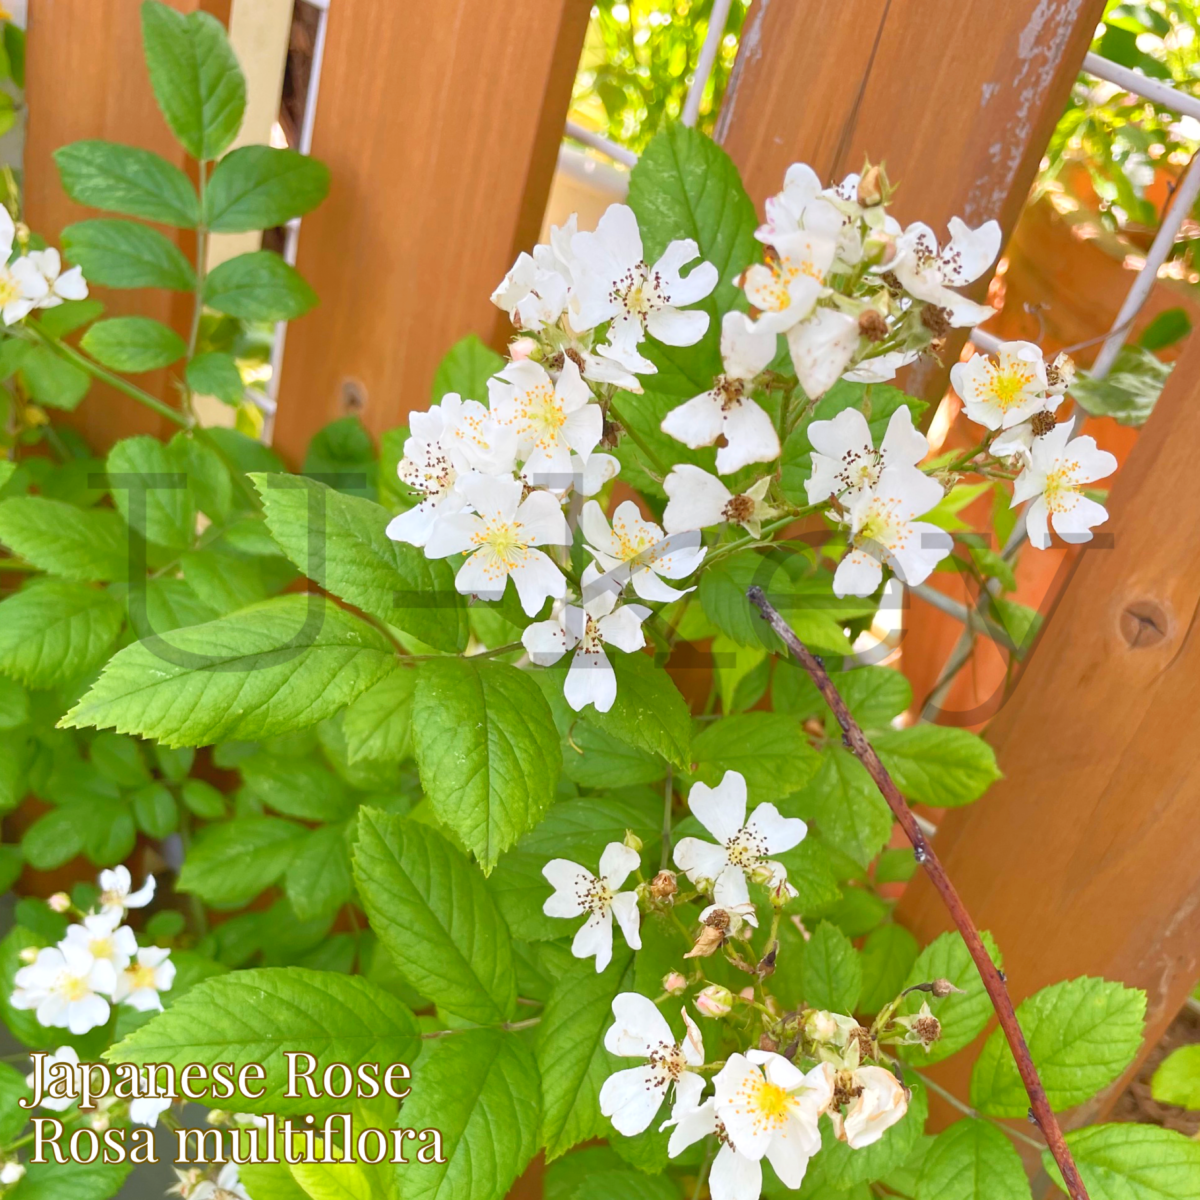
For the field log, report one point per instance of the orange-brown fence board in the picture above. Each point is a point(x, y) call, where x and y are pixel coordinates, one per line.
point(442, 123)
point(1085, 858)
point(85, 79)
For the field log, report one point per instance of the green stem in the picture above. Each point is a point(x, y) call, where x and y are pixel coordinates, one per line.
point(640, 443)
point(12, 564)
point(668, 799)
point(968, 1111)
point(743, 543)
point(201, 275)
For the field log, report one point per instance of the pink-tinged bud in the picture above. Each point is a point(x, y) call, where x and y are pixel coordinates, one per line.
point(521, 348)
point(747, 993)
point(714, 1001)
point(60, 902)
point(674, 984)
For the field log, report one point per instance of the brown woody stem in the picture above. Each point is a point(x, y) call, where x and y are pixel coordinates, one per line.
point(993, 980)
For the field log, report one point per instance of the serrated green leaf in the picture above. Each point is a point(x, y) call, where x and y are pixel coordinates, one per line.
point(1082, 1034)
point(1177, 1078)
point(649, 711)
point(465, 369)
point(52, 381)
point(257, 1016)
point(431, 911)
point(84, 545)
point(571, 1055)
point(216, 374)
point(260, 187)
point(339, 542)
point(53, 632)
point(342, 455)
point(597, 759)
point(972, 1160)
point(196, 78)
point(963, 1017)
point(938, 765)
point(486, 749)
point(127, 180)
point(833, 975)
point(303, 788)
point(122, 254)
point(846, 805)
point(258, 286)
point(277, 666)
point(887, 957)
point(481, 1089)
point(149, 482)
point(378, 725)
point(768, 749)
point(232, 862)
point(1133, 1162)
point(133, 344)
point(155, 810)
point(318, 880)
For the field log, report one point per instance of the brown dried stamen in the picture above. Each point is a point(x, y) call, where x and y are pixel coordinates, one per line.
point(872, 325)
point(1041, 423)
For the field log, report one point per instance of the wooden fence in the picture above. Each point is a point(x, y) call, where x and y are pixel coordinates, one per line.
point(442, 122)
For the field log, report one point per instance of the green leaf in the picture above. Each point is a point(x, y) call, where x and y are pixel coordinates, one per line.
point(833, 975)
point(149, 482)
point(846, 805)
point(53, 632)
point(12, 1088)
point(887, 957)
point(1133, 1162)
point(155, 809)
point(52, 381)
point(70, 1180)
point(256, 1016)
point(216, 374)
point(342, 455)
point(302, 788)
point(14, 704)
point(232, 862)
point(318, 878)
point(571, 1055)
point(121, 254)
point(340, 543)
point(127, 180)
point(69, 316)
point(768, 749)
point(649, 711)
point(938, 765)
point(1082, 1034)
point(963, 1018)
point(972, 1160)
point(119, 759)
point(1177, 1079)
point(466, 369)
point(84, 545)
point(53, 839)
point(196, 78)
point(133, 344)
point(481, 1089)
point(685, 186)
point(258, 286)
point(259, 187)
point(486, 749)
point(431, 911)
point(378, 725)
point(596, 759)
point(202, 799)
point(629, 1185)
point(269, 669)
point(270, 1181)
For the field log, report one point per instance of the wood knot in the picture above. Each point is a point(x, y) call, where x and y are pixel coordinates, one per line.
point(1144, 623)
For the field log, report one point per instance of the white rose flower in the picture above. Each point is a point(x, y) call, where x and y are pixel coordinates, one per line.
point(822, 348)
point(116, 890)
point(62, 285)
point(578, 891)
point(697, 500)
point(140, 983)
point(880, 1100)
point(1003, 392)
point(785, 289)
point(66, 987)
point(103, 936)
point(633, 549)
point(930, 274)
point(845, 462)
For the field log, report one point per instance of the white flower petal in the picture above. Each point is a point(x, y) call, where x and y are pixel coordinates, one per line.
point(631, 1098)
point(778, 833)
point(721, 809)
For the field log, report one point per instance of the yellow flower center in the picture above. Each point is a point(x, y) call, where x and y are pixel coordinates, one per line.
point(767, 1103)
point(10, 289)
point(883, 525)
point(141, 976)
point(540, 415)
point(74, 987)
point(505, 544)
point(1007, 384)
point(1060, 493)
point(101, 947)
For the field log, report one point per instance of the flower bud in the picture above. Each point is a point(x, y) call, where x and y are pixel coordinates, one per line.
point(943, 987)
point(871, 185)
point(632, 842)
point(29, 955)
point(663, 886)
point(521, 348)
point(764, 873)
point(714, 1001)
point(60, 902)
point(674, 984)
point(217, 1116)
point(879, 248)
point(11, 1172)
point(830, 1029)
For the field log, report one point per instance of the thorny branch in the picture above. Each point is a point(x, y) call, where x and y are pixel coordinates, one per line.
point(993, 980)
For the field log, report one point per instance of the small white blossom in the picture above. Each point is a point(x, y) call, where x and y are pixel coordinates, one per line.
point(66, 987)
point(536, 289)
point(613, 283)
point(1002, 392)
point(551, 419)
point(451, 439)
point(630, 1098)
point(930, 274)
point(880, 1100)
point(635, 549)
point(501, 535)
point(845, 463)
point(11, 1172)
point(62, 285)
point(697, 500)
point(141, 982)
point(771, 1109)
point(116, 890)
point(578, 891)
point(804, 204)
point(22, 286)
point(726, 410)
point(743, 847)
point(587, 630)
point(54, 1095)
point(103, 936)
point(1059, 467)
point(785, 289)
point(883, 529)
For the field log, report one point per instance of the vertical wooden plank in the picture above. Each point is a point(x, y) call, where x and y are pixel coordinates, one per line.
point(441, 124)
point(958, 97)
point(1085, 858)
point(85, 78)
